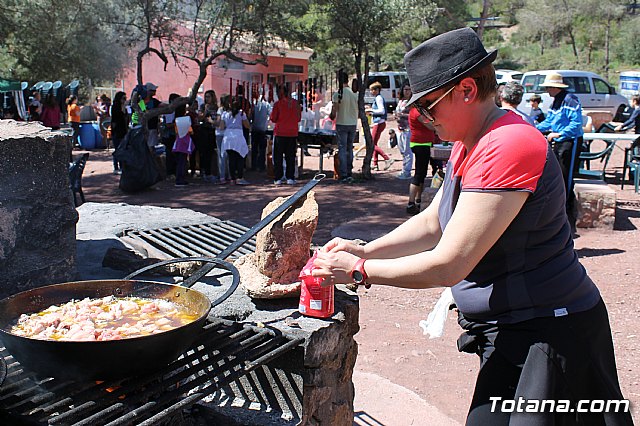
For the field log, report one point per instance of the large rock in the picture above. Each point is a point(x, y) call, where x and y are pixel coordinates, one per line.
point(599, 117)
point(596, 204)
point(282, 249)
point(37, 214)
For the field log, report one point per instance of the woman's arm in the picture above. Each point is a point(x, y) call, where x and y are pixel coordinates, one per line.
point(420, 233)
point(478, 221)
point(631, 122)
point(245, 122)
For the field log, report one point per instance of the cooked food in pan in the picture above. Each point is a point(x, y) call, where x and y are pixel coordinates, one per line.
point(107, 318)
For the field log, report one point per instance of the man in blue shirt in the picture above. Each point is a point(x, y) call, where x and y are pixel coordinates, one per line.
point(563, 127)
point(634, 120)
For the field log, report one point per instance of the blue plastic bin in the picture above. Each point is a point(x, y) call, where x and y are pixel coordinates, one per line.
point(98, 136)
point(87, 136)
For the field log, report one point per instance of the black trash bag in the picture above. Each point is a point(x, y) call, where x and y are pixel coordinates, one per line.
point(138, 166)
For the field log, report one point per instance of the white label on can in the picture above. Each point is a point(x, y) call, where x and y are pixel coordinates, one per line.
point(315, 304)
point(302, 308)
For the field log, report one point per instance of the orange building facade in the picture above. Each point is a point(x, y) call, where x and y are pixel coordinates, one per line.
point(289, 66)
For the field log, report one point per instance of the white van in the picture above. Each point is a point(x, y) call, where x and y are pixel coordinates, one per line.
point(629, 83)
point(593, 91)
point(391, 82)
point(503, 76)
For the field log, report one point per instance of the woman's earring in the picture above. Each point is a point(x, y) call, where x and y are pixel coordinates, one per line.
point(466, 99)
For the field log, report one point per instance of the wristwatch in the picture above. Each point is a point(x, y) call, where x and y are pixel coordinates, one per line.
point(358, 274)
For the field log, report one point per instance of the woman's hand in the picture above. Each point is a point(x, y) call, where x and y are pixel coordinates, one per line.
point(340, 244)
point(334, 267)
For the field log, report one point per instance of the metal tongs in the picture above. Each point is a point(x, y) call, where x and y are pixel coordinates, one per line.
point(252, 232)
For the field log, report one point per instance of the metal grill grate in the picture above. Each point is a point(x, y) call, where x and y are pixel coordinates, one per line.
point(208, 239)
point(225, 352)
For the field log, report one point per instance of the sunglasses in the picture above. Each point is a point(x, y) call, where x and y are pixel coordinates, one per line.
point(424, 110)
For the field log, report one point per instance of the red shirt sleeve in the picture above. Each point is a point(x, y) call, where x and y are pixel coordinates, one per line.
point(510, 156)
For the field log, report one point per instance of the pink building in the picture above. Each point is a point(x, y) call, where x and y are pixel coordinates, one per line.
point(284, 66)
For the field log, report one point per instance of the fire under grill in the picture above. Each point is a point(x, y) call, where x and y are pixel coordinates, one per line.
point(208, 239)
point(226, 354)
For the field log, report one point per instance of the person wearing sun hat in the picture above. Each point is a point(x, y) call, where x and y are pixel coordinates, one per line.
point(497, 234)
point(563, 128)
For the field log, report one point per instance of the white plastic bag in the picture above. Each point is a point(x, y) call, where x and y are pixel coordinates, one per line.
point(434, 324)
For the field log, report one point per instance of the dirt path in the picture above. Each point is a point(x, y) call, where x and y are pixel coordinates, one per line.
point(391, 344)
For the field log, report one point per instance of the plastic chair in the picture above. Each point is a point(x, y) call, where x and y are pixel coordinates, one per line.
point(75, 178)
point(587, 157)
point(632, 163)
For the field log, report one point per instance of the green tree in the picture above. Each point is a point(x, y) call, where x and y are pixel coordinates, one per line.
point(362, 27)
point(627, 45)
point(202, 31)
point(53, 40)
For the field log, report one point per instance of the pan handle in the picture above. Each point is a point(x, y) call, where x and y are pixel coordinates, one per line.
point(188, 283)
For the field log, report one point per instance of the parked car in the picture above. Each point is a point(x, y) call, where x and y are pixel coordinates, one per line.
point(503, 76)
point(391, 83)
point(594, 92)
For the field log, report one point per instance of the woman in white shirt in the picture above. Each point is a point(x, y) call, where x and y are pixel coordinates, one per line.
point(234, 143)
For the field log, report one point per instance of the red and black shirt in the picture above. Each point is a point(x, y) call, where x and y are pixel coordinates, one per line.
point(532, 270)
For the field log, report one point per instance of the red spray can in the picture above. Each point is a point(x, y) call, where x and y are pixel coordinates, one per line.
point(315, 300)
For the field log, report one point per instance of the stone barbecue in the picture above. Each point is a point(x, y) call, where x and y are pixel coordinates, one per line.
point(37, 213)
point(310, 385)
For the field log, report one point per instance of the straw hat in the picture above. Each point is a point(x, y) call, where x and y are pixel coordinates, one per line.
point(554, 80)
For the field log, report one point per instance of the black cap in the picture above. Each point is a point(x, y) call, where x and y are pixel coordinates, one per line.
point(444, 59)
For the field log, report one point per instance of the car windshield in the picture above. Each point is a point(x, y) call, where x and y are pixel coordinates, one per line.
point(531, 83)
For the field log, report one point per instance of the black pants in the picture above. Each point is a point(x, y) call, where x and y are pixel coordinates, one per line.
point(236, 165)
point(563, 151)
point(557, 358)
point(258, 150)
point(205, 141)
point(422, 155)
point(284, 147)
point(168, 139)
point(116, 143)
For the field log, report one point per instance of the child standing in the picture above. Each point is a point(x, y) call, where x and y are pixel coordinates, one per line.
point(182, 148)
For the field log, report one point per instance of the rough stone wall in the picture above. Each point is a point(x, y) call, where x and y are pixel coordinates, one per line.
point(329, 359)
point(599, 117)
point(37, 214)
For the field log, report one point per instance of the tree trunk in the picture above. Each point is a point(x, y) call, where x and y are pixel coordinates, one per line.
point(570, 30)
point(366, 132)
point(573, 43)
point(486, 4)
point(606, 47)
point(407, 42)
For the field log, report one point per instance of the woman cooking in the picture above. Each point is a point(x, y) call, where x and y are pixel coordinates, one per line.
point(497, 234)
